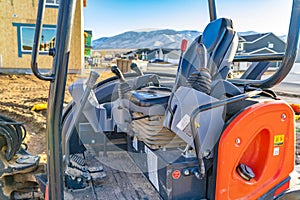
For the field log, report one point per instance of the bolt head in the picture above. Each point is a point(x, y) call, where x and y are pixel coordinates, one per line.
point(238, 141)
point(206, 153)
point(283, 117)
point(186, 172)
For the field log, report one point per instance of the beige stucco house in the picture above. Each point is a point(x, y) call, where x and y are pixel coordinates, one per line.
point(17, 22)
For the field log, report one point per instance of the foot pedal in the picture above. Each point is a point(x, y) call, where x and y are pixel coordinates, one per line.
point(95, 169)
point(77, 161)
point(97, 176)
point(76, 179)
point(78, 158)
point(97, 173)
point(79, 174)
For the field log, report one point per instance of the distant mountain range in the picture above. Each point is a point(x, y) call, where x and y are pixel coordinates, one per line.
point(145, 39)
point(152, 39)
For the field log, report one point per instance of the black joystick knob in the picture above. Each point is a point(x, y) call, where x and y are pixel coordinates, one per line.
point(137, 70)
point(118, 73)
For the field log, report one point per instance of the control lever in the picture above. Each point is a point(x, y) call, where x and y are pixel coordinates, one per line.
point(202, 55)
point(143, 80)
point(201, 78)
point(122, 116)
point(118, 73)
point(178, 80)
point(137, 70)
point(123, 87)
point(78, 112)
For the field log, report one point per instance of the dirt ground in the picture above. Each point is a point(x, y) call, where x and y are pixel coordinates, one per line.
point(18, 95)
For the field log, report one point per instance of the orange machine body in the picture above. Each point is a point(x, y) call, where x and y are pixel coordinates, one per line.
point(261, 137)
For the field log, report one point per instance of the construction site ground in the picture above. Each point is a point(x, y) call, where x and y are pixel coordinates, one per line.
point(19, 93)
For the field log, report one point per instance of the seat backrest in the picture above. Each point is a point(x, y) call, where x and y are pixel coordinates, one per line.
point(221, 42)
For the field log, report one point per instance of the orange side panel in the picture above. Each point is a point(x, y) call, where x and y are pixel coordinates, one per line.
point(262, 137)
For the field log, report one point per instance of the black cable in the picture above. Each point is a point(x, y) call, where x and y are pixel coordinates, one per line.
point(12, 134)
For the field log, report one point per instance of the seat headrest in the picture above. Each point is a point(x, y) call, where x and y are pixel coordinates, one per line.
point(219, 39)
point(214, 31)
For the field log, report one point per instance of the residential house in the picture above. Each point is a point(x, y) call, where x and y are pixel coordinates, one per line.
point(260, 43)
point(164, 54)
point(88, 43)
point(173, 56)
point(129, 55)
point(17, 30)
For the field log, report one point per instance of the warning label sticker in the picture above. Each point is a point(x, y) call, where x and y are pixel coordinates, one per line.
point(152, 161)
point(183, 122)
point(278, 140)
point(276, 151)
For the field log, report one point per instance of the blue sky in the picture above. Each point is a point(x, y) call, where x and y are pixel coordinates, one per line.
point(112, 17)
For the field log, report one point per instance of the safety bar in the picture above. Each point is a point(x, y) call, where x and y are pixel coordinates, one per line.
point(212, 10)
point(209, 106)
point(288, 57)
point(36, 44)
point(76, 117)
point(259, 57)
point(55, 170)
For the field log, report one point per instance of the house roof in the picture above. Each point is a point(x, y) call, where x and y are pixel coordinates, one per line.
point(262, 50)
point(253, 37)
point(175, 54)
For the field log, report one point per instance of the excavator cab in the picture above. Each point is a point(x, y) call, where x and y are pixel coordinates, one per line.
point(203, 136)
point(191, 135)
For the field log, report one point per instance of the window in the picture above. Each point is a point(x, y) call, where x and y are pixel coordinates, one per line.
point(241, 47)
point(25, 36)
point(46, 41)
point(52, 3)
point(270, 45)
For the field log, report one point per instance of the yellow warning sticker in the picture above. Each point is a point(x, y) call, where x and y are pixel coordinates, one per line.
point(278, 140)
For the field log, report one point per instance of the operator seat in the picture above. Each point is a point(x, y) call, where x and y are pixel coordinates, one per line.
point(201, 83)
point(220, 40)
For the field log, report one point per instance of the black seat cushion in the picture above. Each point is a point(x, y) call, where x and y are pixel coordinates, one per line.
point(150, 96)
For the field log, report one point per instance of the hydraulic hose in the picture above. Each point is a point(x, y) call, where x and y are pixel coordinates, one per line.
point(12, 134)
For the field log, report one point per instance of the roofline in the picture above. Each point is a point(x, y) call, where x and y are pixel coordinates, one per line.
point(250, 42)
point(265, 48)
point(242, 38)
